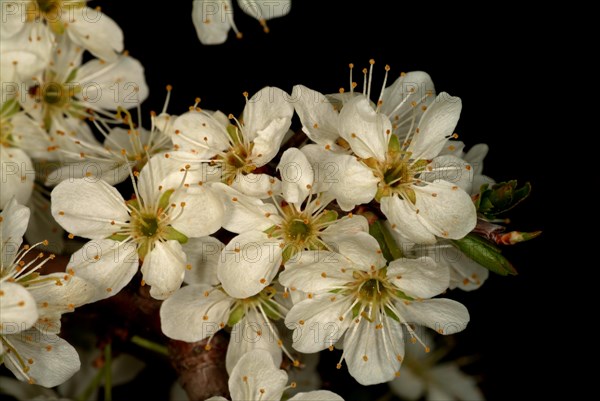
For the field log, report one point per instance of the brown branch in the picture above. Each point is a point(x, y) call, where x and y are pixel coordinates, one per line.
point(201, 372)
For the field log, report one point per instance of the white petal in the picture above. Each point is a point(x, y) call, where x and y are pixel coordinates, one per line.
point(88, 208)
point(445, 210)
point(22, 57)
point(202, 214)
point(265, 9)
point(450, 169)
point(190, 315)
point(18, 176)
point(164, 268)
point(211, 20)
point(373, 355)
point(361, 248)
point(252, 332)
point(408, 386)
point(367, 131)
point(261, 373)
point(442, 315)
point(245, 213)
point(324, 166)
point(297, 176)
point(256, 185)
point(318, 116)
point(318, 395)
point(436, 126)
point(54, 359)
point(419, 278)
point(108, 265)
point(398, 98)
point(466, 274)
point(96, 32)
point(159, 175)
point(53, 299)
point(353, 183)
point(475, 157)
point(316, 321)
point(454, 382)
point(351, 224)
point(248, 264)
point(405, 222)
point(109, 86)
point(267, 118)
point(315, 271)
point(203, 256)
point(18, 310)
point(200, 133)
point(13, 225)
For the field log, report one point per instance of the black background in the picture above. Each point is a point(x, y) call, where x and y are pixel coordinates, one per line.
point(488, 59)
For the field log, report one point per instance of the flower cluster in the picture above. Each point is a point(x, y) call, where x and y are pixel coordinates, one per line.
point(346, 234)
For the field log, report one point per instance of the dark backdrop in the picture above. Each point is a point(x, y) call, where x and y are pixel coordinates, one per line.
point(489, 60)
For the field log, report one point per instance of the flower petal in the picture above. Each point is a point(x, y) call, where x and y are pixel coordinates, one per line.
point(88, 208)
point(265, 10)
point(211, 21)
point(164, 268)
point(442, 315)
point(53, 300)
point(353, 183)
point(315, 271)
point(374, 354)
point(419, 278)
point(436, 126)
point(13, 223)
point(252, 332)
point(18, 176)
point(404, 221)
point(318, 116)
point(200, 133)
point(108, 265)
point(297, 176)
point(267, 118)
point(203, 256)
point(450, 169)
point(256, 185)
point(96, 32)
point(248, 264)
point(318, 395)
point(18, 310)
point(108, 86)
point(398, 98)
point(245, 213)
point(316, 321)
point(367, 131)
point(194, 313)
point(202, 214)
point(54, 359)
point(361, 248)
point(254, 372)
point(445, 210)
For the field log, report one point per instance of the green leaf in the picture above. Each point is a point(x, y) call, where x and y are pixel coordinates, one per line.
point(501, 197)
point(485, 253)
